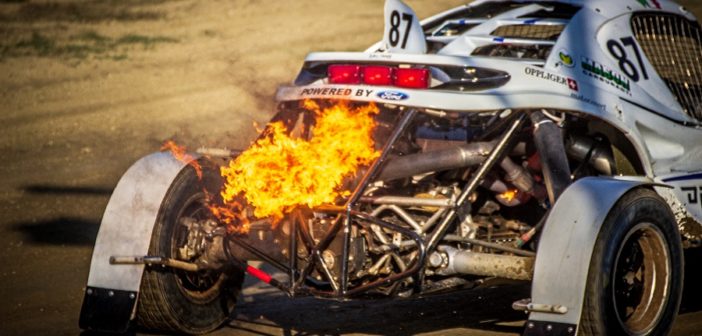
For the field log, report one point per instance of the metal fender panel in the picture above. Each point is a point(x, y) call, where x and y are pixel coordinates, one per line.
point(129, 219)
point(125, 231)
point(567, 242)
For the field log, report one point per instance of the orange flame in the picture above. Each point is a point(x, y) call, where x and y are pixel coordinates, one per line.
point(180, 154)
point(280, 172)
point(509, 195)
point(232, 214)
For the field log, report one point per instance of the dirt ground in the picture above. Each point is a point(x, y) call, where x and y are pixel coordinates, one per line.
point(88, 87)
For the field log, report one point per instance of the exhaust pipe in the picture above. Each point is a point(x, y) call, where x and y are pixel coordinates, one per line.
point(483, 264)
point(462, 156)
point(598, 155)
point(549, 143)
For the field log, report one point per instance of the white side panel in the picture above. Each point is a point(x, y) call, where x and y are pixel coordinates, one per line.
point(129, 220)
point(567, 242)
point(687, 194)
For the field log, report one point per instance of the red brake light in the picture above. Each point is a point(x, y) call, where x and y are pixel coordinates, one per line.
point(377, 75)
point(412, 78)
point(344, 74)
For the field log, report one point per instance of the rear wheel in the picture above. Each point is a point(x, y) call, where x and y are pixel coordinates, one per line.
point(636, 271)
point(175, 300)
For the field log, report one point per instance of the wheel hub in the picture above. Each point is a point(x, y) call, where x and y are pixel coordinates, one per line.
point(640, 280)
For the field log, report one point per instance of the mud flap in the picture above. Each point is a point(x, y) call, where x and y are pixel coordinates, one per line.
point(565, 249)
point(112, 292)
point(107, 310)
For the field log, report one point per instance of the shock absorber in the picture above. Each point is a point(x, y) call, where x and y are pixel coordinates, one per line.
point(549, 142)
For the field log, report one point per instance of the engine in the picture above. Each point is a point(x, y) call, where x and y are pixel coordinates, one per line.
point(488, 163)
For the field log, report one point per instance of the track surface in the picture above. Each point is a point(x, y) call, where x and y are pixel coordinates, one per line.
point(88, 87)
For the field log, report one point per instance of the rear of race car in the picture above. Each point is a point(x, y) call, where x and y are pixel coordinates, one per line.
point(483, 142)
point(470, 74)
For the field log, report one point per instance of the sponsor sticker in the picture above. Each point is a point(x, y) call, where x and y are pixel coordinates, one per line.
point(565, 81)
point(565, 58)
point(693, 195)
point(588, 101)
point(344, 92)
point(649, 3)
point(599, 71)
point(573, 84)
point(392, 95)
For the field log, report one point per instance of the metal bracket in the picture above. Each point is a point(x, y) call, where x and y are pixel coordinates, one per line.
point(528, 306)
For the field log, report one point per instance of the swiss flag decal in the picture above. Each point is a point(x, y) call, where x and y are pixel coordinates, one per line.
point(572, 84)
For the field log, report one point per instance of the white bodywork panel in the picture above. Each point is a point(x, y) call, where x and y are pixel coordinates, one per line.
point(686, 196)
point(567, 242)
point(129, 220)
point(403, 32)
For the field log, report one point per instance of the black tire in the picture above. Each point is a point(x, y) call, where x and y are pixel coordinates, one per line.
point(636, 271)
point(178, 301)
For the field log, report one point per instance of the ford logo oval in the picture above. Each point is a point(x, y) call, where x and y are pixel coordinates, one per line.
point(392, 95)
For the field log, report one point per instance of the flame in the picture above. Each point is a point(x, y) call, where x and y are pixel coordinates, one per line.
point(180, 154)
point(280, 172)
point(232, 214)
point(509, 195)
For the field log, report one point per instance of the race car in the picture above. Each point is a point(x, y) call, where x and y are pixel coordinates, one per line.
point(556, 142)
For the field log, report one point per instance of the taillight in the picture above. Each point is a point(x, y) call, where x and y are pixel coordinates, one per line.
point(344, 74)
point(412, 78)
point(378, 75)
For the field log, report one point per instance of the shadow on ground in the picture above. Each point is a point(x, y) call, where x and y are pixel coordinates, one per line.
point(60, 231)
point(483, 308)
point(486, 308)
point(65, 190)
point(67, 229)
point(692, 291)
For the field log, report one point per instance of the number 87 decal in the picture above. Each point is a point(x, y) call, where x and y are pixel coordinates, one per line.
point(395, 33)
point(618, 51)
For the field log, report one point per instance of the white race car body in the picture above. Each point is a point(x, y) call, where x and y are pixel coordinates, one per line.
point(610, 163)
point(596, 66)
point(667, 140)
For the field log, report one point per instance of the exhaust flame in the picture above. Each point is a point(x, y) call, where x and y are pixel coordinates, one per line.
point(232, 214)
point(180, 154)
point(280, 172)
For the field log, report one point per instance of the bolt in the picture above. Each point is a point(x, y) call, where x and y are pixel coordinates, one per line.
point(570, 330)
point(132, 296)
point(89, 291)
point(110, 293)
point(549, 327)
point(530, 325)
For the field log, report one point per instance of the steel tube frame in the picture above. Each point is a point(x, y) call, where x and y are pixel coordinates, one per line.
point(342, 289)
point(347, 212)
point(494, 157)
point(402, 125)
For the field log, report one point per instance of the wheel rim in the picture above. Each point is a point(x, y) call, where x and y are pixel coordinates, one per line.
point(641, 279)
point(203, 286)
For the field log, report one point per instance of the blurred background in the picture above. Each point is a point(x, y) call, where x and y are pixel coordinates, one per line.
point(88, 87)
